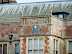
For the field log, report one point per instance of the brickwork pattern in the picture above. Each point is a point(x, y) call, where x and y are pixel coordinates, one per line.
point(43, 29)
point(56, 27)
point(6, 29)
point(69, 28)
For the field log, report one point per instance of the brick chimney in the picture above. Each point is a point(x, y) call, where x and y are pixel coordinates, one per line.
point(7, 1)
point(12, 1)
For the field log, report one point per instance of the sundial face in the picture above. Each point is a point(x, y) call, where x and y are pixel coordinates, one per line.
point(35, 26)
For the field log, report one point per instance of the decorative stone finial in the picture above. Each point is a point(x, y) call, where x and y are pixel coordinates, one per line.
point(50, 12)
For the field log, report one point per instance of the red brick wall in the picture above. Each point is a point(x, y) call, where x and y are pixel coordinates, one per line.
point(43, 29)
point(69, 30)
point(6, 29)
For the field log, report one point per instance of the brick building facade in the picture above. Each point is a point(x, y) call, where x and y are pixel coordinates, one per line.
point(34, 31)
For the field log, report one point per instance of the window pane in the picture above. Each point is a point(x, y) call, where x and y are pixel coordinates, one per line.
point(0, 49)
point(5, 49)
point(61, 15)
point(70, 47)
point(56, 45)
point(35, 52)
point(40, 43)
point(16, 48)
point(55, 15)
point(40, 51)
point(30, 44)
point(35, 43)
point(29, 52)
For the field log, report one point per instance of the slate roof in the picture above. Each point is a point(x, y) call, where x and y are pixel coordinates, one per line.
point(11, 12)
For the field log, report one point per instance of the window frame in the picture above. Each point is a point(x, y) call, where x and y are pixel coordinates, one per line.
point(16, 42)
point(54, 46)
point(67, 50)
point(33, 44)
point(2, 43)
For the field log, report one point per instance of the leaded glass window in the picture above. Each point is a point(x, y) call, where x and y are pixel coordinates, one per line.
point(40, 51)
point(30, 52)
point(41, 43)
point(30, 44)
point(35, 43)
point(16, 48)
point(35, 46)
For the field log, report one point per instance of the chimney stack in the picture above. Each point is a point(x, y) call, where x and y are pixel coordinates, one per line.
point(7, 1)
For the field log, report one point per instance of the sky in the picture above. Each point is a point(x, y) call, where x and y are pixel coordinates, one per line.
point(25, 1)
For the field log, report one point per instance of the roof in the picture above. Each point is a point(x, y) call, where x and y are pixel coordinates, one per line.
point(11, 12)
